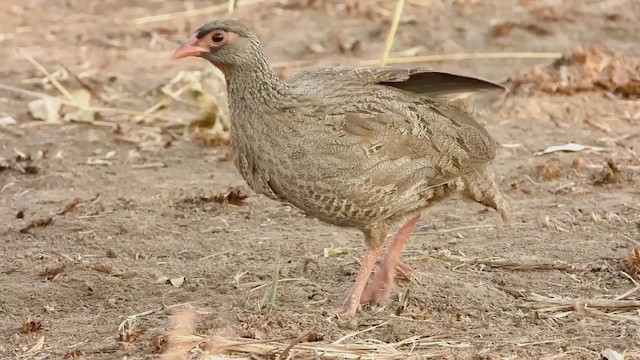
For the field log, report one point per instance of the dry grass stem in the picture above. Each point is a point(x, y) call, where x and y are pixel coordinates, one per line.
point(81, 107)
point(392, 32)
point(359, 332)
point(301, 338)
point(270, 297)
point(48, 75)
point(569, 303)
point(434, 58)
point(509, 264)
point(192, 12)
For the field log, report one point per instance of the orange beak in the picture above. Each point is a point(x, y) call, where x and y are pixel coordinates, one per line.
point(189, 48)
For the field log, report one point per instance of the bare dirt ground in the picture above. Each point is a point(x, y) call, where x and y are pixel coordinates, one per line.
point(124, 218)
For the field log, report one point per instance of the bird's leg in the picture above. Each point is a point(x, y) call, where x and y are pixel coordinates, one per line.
point(374, 240)
point(383, 280)
point(352, 303)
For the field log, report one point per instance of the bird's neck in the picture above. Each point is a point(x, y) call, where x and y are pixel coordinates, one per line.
point(255, 85)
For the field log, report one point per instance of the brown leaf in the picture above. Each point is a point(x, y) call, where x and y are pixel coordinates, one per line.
point(504, 29)
point(233, 196)
point(30, 325)
point(584, 69)
point(131, 334)
point(633, 261)
point(609, 175)
point(70, 206)
point(550, 171)
point(74, 354)
point(50, 272)
point(37, 223)
point(104, 267)
point(159, 344)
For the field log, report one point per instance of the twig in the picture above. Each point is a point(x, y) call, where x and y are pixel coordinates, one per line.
point(469, 227)
point(285, 353)
point(359, 332)
point(388, 44)
point(44, 222)
point(149, 312)
point(190, 13)
point(264, 284)
point(70, 206)
point(48, 75)
point(106, 348)
point(622, 296)
point(591, 303)
point(86, 86)
point(232, 6)
point(273, 291)
point(433, 58)
point(509, 264)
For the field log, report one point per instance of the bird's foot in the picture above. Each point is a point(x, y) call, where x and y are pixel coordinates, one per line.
point(383, 283)
point(405, 270)
point(349, 309)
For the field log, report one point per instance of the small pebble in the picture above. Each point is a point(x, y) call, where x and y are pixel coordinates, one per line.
point(111, 254)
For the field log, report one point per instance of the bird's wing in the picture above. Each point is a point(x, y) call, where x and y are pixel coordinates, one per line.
point(425, 82)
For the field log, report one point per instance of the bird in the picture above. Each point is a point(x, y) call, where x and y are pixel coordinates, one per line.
point(367, 148)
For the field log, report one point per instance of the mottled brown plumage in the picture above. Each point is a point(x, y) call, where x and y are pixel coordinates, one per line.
point(361, 148)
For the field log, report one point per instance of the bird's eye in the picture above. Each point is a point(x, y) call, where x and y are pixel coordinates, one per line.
point(217, 37)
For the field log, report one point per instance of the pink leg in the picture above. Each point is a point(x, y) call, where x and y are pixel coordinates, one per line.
point(352, 303)
point(385, 276)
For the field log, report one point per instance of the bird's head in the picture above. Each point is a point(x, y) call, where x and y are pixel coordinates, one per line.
point(225, 43)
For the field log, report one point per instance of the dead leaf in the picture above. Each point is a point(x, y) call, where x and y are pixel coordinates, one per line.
point(317, 48)
point(550, 171)
point(131, 333)
point(47, 109)
point(160, 344)
point(609, 354)
point(333, 252)
point(506, 28)
point(633, 261)
point(347, 44)
point(30, 325)
point(74, 354)
point(609, 175)
point(7, 120)
point(570, 147)
point(34, 349)
point(51, 272)
point(176, 282)
point(37, 223)
point(4, 164)
point(209, 130)
point(82, 98)
point(579, 164)
point(105, 268)
point(70, 206)
point(234, 196)
point(584, 69)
